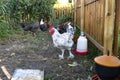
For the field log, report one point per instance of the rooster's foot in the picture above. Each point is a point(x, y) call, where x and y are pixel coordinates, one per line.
point(71, 57)
point(61, 57)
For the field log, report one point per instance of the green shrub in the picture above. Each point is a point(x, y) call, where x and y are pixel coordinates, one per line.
point(65, 18)
point(15, 11)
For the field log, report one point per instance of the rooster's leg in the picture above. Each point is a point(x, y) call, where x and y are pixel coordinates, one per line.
point(62, 56)
point(70, 54)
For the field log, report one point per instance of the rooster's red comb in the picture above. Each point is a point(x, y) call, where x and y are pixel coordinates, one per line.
point(51, 27)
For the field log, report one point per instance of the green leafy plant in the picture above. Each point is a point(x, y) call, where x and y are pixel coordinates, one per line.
point(65, 18)
point(6, 31)
point(15, 11)
point(12, 12)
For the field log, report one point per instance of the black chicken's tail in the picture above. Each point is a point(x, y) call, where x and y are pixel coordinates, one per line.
point(22, 25)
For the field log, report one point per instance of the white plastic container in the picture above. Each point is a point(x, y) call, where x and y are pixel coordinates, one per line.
point(82, 43)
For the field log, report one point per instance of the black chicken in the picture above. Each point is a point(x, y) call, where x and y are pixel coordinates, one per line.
point(30, 27)
point(63, 28)
point(44, 25)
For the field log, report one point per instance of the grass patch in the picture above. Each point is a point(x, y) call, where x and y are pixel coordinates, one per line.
point(6, 31)
point(93, 51)
point(49, 76)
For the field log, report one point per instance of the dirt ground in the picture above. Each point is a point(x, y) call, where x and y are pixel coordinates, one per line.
point(28, 52)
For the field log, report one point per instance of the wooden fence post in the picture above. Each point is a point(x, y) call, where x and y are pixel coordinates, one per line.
point(82, 15)
point(109, 25)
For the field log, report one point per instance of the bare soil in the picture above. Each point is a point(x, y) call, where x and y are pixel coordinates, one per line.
point(37, 52)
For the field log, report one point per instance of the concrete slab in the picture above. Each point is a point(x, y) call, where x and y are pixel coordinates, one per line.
point(28, 74)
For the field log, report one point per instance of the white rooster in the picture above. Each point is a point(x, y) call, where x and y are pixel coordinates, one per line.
point(63, 41)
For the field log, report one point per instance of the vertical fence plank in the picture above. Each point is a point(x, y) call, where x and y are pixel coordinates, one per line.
point(86, 19)
point(109, 26)
point(102, 15)
point(99, 30)
point(93, 14)
point(75, 10)
point(82, 15)
point(116, 30)
point(95, 20)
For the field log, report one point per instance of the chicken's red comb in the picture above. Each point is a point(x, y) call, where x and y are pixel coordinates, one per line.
point(51, 27)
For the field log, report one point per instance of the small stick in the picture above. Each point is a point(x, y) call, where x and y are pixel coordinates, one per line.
point(6, 72)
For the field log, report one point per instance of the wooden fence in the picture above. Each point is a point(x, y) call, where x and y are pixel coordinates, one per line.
point(62, 10)
point(96, 18)
point(93, 24)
